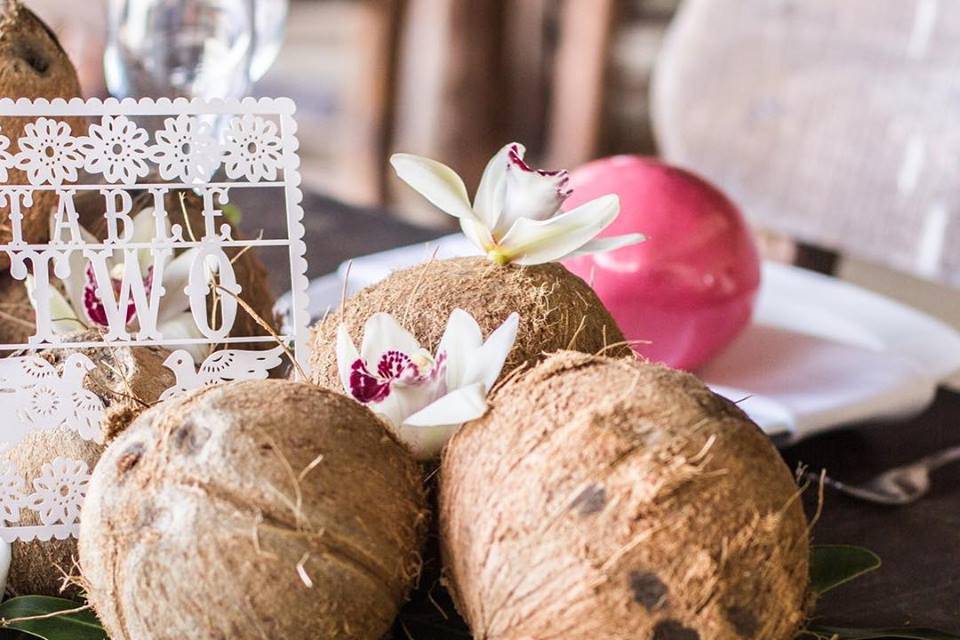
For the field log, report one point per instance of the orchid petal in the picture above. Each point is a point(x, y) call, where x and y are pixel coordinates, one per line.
point(426, 443)
point(145, 230)
point(182, 327)
point(538, 241)
point(436, 182)
point(602, 245)
point(488, 362)
point(75, 281)
point(63, 317)
point(461, 341)
point(478, 234)
point(488, 203)
point(143, 226)
point(529, 193)
point(382, 333)
point(406, 400)
point(455, 408)
point(347, 354)
point(176, 277)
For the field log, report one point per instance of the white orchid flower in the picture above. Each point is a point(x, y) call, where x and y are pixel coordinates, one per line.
point(424, 398)
point(515, 216)
point(82, 307)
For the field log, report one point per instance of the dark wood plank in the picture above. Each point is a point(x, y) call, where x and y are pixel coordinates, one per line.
point(919, 582)
point(335, 232)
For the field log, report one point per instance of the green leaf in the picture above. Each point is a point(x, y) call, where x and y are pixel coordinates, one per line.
point(876, 634)
point(232, 213)
point(83, 625)
point(834, 565)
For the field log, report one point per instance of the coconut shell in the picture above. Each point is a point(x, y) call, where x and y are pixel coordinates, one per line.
point(558, 310)
point(127, 380)
point(255, 509)
point(39, 567)
point(610, 498)
point(32, 65)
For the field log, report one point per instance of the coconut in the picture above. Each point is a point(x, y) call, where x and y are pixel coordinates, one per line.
point(557, 310)
point(611, 498)
point(32, 65)
point(127, 380)
point(254, 509)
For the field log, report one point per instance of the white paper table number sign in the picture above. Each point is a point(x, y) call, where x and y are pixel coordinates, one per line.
point(215, 148)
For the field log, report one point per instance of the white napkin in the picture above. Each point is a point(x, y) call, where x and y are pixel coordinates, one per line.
point(801, 384)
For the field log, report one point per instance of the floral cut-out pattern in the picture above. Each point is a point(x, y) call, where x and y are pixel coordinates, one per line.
point(185, 149)
point(116, 148)
point(253, 149)
point(138, 252)
point(59, 490)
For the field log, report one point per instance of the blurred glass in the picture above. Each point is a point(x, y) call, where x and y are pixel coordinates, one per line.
point(191, 48)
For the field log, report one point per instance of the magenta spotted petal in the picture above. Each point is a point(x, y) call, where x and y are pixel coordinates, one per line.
point(515, 158)
point(93, 304)
point(392, 365)
point(365, 387)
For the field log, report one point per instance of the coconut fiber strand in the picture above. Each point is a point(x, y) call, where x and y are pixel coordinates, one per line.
point(255, 509)
point(616, 499)
point(557, 310)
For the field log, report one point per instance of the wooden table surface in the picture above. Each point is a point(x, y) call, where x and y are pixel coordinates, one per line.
point(919, 582)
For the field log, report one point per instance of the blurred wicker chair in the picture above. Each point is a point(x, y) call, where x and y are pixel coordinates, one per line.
point(834, 123)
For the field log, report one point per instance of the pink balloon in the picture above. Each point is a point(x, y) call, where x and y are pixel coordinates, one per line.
point(690, 288)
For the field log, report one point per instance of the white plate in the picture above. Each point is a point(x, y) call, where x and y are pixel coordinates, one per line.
point(820, 352)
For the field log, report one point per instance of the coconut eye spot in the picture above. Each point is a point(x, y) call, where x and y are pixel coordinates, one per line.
point(744, 621)
point(673, 630)
point(34, 58)
point(130, 458)
point(648, 590)
point(591, 500)
point(189, 438)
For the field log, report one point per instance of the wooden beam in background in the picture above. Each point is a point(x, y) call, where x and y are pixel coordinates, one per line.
point(527, 68)
point(576, 104)
point(450, 97)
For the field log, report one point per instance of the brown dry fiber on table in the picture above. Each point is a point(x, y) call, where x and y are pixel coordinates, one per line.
point(609, 499)
point(211, 515)
point(557, 310)
point(126, 380)
point(32, 65)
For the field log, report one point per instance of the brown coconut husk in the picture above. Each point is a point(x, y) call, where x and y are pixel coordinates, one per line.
point(611, 498)
point(16, 312)
point(250, 272)
point(255, 509)
point(558, 310)
point(40, 567)
point(32, 65)
point(127, 380)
